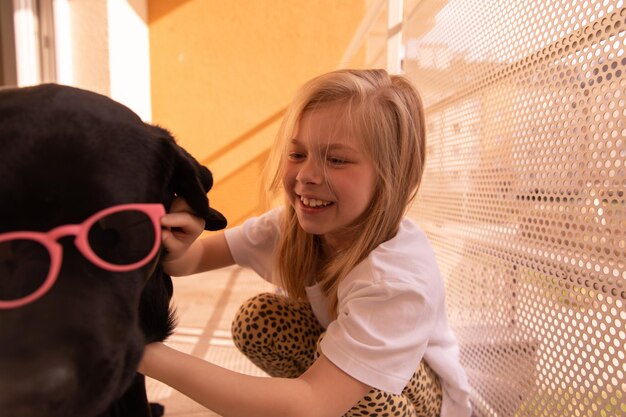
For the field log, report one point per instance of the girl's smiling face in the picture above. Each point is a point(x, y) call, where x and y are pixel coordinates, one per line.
point(327, 177)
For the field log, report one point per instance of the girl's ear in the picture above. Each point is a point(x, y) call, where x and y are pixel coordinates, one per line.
point(191, 181)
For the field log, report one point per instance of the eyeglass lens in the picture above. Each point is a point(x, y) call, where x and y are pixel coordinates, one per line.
point(24, 266)
point(122, 238)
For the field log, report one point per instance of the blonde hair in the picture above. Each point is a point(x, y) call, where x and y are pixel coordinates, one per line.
point(386, 113)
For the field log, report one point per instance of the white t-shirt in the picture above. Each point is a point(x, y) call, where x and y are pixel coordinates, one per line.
point(391, 311)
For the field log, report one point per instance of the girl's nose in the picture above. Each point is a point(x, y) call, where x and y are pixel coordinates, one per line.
point(310, 172)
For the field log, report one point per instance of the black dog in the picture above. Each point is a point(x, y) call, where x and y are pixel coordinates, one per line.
point(66, 154)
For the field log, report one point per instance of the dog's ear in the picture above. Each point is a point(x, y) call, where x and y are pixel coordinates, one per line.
point(180, 175)
point(191, 181)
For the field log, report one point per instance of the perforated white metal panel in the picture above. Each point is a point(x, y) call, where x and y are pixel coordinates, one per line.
point(523, 195)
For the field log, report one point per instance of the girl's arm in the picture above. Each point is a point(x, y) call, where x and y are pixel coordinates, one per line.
point(322, 391)
point(211, 252)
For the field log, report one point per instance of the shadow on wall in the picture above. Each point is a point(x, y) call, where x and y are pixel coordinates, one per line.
point(163, 10)
point(244, 137)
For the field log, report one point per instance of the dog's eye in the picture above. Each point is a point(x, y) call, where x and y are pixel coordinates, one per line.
point(122, 238)
point(24, 266)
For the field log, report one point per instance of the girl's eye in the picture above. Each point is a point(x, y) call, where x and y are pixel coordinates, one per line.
point(336, 161)
point(295, 156)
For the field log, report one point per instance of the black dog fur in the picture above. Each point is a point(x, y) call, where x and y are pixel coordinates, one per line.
point(65, 154)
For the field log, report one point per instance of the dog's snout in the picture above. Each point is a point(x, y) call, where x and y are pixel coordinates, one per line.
point(29, 391)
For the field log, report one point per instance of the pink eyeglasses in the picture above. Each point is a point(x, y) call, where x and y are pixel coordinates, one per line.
point(119, 239)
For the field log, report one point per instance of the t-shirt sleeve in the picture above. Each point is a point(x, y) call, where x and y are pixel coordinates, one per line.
point(381, 332)
point(252, 244)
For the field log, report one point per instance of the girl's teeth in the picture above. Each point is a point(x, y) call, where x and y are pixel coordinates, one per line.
point(313, 202)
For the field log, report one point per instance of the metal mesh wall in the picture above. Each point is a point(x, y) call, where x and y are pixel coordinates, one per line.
point(523, 195)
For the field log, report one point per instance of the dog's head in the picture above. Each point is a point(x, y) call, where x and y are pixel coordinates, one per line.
point(66, 154)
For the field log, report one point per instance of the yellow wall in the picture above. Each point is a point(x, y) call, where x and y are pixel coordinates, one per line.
point(222, 73)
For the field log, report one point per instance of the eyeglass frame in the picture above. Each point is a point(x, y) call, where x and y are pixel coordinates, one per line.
point(49, 240)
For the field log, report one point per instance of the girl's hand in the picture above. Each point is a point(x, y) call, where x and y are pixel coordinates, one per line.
point(180, 228)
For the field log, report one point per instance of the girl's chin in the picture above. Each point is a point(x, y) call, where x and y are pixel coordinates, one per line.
point(310, 226)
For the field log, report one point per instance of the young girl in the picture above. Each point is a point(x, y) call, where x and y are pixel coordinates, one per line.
point(363, 327)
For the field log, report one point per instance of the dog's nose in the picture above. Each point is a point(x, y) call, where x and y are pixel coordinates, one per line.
point(27, 391)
